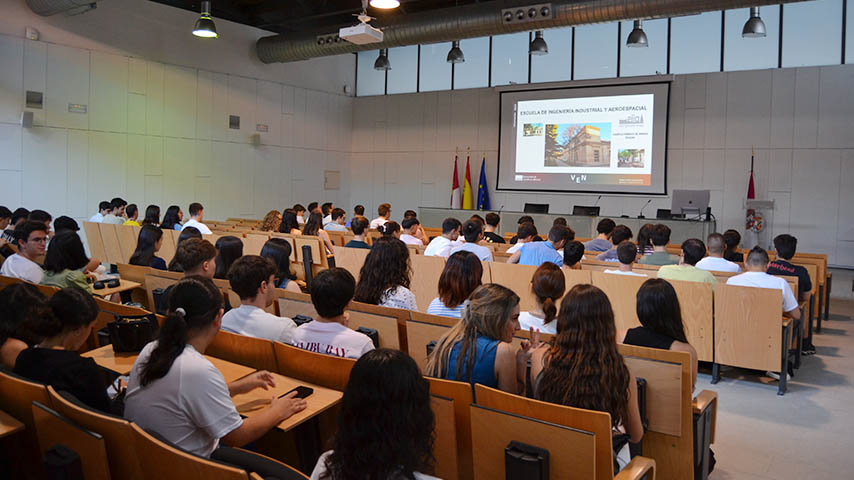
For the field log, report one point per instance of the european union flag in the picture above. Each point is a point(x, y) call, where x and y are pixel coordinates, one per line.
point(482, 191)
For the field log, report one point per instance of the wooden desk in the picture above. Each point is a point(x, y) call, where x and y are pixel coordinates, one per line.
point(124, 285)
point(9, 425)
point(123, 362)
point(252, 403)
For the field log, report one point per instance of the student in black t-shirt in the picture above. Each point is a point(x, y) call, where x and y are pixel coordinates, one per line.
point(732, 239)
point(785, 245)
point(54, 360)
point(492, 220)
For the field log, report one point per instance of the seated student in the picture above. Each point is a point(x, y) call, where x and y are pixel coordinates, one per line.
point(229, 249)
point(522, 220)
point(627, 252)
point(462, 274)
point(410, 231)
point(390, 229)
point(132, 212)
point(117, 212)
point(176, 392)
point(278, 251)
point(331, 293)
point(197, 214)
point(560, 221)
point(716, 262)
point(30, 238)
point(385, 276)
point(490, 317)
point(536, 253)
point(732, 239)
point(573, 254)
point(419, 232)
point(313, 207)
point(64, 263)
point(602, 242)
point(359, 226)
point(661, 322)
point(103, 209)
point(492, 221)
point(358, 211)
point(42, 217)
point(64, 328)
point(290, 223)
point(313, 227)
point(548, 285)
point(383, 214)
point(472, 231)
point(196, 257)
point(660, 239)
point(271, 221)
point(22, 305)
point(172, 219)
point(385, 428)
point(253, 279)
point(186, 234)
point(65, 224)
point(152, 216)
point(299, 211)
point(526, 233)
point(441, 246)
point(326, 212)
point(583, 368)
point(620, 234)
point(5, 220)
point(336, 223)
point(785, 246)
point(693, 250)
point(148, 243)
point(645, 240)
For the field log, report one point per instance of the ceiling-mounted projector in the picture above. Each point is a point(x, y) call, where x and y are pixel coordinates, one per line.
point(362, 33)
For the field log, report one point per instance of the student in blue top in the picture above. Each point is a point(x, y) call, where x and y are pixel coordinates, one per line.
point(478, 348)
point(537, 253)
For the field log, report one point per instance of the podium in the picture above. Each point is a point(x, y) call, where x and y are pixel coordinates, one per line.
point(758, 223)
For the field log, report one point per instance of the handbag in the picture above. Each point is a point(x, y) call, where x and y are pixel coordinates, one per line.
point(129, 334)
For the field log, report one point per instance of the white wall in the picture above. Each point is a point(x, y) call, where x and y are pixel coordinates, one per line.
point(801, 122)
point(156, 129)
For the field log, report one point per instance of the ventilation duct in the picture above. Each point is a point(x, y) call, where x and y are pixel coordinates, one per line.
point(490, 18)
point(47, 8)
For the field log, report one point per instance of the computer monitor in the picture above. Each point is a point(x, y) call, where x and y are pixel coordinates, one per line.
point(536, 208)
point(663, 214)
point(690, 202)
point(583, 210)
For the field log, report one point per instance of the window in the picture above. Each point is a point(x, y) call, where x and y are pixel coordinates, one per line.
point(751, 53)
point(644, 60)
point(510, 58)
point(596, 51)
point(812, 33)
point(368, 80)
point(557, 65)
point(474, 72)
point(403, 76)
point(695, 43)
point(434, 70)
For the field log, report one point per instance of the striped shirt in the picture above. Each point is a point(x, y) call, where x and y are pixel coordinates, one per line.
point(436, 307)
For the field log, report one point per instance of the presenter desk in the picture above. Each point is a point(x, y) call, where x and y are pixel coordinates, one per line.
point(584, 226)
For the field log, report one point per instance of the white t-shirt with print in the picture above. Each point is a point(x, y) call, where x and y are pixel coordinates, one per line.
point(189, 406)
point(319, 471)
point(331, 338)
point(252, 321)
point(203, 229)
point(715, 264)
point(18, 266)
point(763, 280)
point(400, 297)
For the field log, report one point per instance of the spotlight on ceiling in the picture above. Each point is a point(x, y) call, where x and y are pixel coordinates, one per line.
point(205, 25)
point(455, 54)
point(538, 45)
point(385, 4)
point(754, 27)
point(637, 38)
point(382, 64)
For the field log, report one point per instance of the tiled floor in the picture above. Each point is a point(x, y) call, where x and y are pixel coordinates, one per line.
point(809, 432)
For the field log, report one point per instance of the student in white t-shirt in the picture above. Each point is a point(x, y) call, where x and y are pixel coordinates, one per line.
point(473, 233)
point(31, 238)
point(385, 276)
point(383, 212)
point(410, 230)
point(331, 293)
point(441, 246)
point(103, 209)
point(177, 393)
point(548, 286)
point(253, 278)
point(385, 429)
point(627, 253)
point(716, 262)
point(326, 212)
point(197, 214)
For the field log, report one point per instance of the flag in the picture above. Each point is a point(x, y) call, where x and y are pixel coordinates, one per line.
point(751, 189)
point(753, 222)
point(482, 191)
point(468, 199)
point(455, 191)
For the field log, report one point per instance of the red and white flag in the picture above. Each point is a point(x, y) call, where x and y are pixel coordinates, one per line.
point(456, 198)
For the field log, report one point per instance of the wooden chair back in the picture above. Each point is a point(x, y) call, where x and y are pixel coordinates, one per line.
point(166, 461)
point(254, 242)
point(390, 323)
point(136, 273)
point(253, 352)
point(159, 279)
point(461, 395)
point(421, 329)
point(17, 395)
point(318, 250)
point(292, 304)
point(110, 239)
point(486, 277)
point(748, 327)
point(621, 291)
point(54, 429)
point(696, 301)
point(351, 259)
point(445, 443)
point(94, 240)
point(516, 278)
point(128, 236)
point(6, 281)
point(167, 247)
point(324, 370)
point(425, 278)
point(46, 290)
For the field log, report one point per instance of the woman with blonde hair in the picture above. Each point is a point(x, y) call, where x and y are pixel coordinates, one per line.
point(271, 221)
point(478, 348)
point(548, 284)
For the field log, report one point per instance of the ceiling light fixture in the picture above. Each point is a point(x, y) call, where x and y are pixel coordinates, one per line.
point(754, 27)
point(538, 45)
point(382, 64)
point(637, 39)
point(385, 4)
point(455, 54)
point(204, 25)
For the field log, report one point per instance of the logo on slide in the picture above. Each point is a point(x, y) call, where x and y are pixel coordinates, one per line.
point(632, 120)
point(578, 178)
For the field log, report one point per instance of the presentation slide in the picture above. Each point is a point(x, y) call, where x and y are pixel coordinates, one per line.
point(591, 139)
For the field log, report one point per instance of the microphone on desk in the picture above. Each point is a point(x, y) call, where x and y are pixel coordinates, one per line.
point(640, 215)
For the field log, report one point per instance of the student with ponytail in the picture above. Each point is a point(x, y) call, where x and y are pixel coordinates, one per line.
point(177, 393)
point(548, 285)
point(478, 348)
point(390, 229)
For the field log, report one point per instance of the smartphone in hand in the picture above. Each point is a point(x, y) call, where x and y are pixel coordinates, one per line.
point(302, 392)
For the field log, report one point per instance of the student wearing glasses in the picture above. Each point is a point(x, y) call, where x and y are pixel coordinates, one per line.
point(31, 239)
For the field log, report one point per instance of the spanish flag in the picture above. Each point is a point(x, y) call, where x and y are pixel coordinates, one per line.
point(468, 198)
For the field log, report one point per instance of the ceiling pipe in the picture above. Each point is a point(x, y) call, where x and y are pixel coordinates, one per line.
point(486, 18)
point(47, 8)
